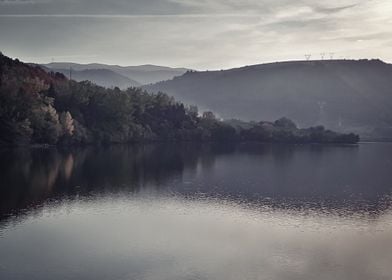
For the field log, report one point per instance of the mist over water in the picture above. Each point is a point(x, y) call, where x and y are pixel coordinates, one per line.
point(197, 212)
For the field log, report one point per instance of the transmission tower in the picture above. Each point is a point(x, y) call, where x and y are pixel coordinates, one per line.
point(308, 56)
point(322, 115)
point(322, 56)
point(331, 55)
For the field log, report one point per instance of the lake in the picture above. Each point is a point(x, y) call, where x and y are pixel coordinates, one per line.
point(190, 211)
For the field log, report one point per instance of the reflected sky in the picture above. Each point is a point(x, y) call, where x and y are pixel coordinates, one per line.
point(173, 238)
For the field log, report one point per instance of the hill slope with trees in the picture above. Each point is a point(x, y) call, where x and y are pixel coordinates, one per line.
point(37, 107)
point(343, 95)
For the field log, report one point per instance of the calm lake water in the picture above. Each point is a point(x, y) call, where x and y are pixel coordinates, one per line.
point(187, 211)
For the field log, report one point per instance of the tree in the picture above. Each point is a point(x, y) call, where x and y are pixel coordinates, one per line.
point(285, 123)
point(208, 115)
point(67, 124)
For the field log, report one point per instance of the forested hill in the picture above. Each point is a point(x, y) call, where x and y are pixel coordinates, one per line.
point(37, 107)
point(343, 95)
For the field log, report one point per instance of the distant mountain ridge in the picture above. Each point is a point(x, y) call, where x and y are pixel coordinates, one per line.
point(121, 76)
point(343, 95)
point(101, 77)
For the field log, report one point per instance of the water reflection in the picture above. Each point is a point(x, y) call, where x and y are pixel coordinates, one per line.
point(188, 211)
point(287, 176)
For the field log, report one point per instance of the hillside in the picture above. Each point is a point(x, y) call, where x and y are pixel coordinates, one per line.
point(40, 107)
point(138, 75)
point(344, 95)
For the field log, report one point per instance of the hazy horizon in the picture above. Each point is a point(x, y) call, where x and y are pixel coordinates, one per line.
point(210, 34)
point(193, 69)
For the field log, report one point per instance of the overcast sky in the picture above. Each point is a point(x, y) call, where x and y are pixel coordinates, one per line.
point(199, 34)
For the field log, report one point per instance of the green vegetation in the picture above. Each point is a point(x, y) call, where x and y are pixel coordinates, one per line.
point(46, 108)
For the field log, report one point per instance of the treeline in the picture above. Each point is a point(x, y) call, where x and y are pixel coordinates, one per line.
point(46, 108)
point(285, 130)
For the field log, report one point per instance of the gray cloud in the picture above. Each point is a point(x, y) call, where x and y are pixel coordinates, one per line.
point(16, 2)
point(92, 7)
point(193, 33)
point(172, 7)
point(334, 9)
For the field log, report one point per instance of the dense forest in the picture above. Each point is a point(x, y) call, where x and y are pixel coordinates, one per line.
point(342, 95)
point(37, 107)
